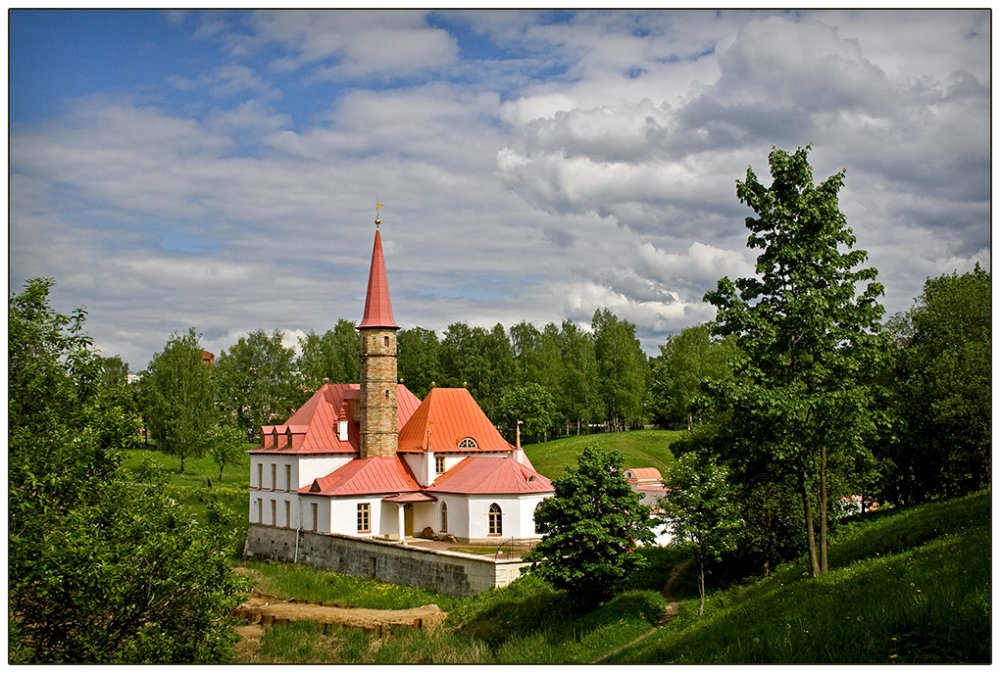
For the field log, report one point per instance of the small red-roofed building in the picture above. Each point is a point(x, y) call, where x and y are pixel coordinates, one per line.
point(371, 460)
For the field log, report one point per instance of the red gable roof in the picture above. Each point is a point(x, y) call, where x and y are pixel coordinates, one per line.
point(378, 307)
point(491, 475)
point(447, 416)
point(366, 476)
point(644, 474)
point(314, 424)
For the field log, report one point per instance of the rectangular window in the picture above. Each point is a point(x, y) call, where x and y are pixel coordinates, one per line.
point(274, 512)
point(274, 477)
point(315, 516)
point(288, 513)
point(288, 477)
point(260, 476)
point(364, 518)
point(260, 510)
point(439, 464)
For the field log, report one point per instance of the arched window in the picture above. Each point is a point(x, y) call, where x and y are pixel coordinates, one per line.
point(444, 517)
point(468, 443)
point(535, 518)
point(496, 520)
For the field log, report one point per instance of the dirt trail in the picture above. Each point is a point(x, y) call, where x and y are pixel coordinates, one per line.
point(672, 609)
point(262, 610)
point(265, 610)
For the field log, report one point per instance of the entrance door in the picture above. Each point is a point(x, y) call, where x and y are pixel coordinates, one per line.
point(408, 520)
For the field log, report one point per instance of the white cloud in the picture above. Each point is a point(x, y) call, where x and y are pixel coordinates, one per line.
point(590, 163)
point(359, 43)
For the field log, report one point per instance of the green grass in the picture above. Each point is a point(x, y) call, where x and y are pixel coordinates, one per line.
point(639, 448)
point(200, 481)
point(887, 602)
point(302, 582)
point(906, 586)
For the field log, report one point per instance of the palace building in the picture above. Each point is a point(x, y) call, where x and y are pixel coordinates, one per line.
point(371, 460)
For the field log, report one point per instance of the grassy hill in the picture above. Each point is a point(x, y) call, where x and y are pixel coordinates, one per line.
point(639, 448)
point(912, 586)
point(907, 586)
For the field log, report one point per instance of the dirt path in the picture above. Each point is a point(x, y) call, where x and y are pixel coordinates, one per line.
point(265, 610)
point(262, 611)
point(672, 609)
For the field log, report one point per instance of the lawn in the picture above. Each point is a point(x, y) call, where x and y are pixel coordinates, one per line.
point(639, 448)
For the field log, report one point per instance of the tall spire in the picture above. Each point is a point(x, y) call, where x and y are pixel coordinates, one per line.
point(378, 307)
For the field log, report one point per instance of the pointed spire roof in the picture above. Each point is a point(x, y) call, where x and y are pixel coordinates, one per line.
point(378, 307)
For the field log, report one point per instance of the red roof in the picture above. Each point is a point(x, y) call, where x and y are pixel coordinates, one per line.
point(314, 425)
point(378, 307)
point(366, 476)
point(491, 475)
point(645, 474)
point(444, 419)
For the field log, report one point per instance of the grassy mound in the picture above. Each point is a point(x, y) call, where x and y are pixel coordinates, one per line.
point(908, 586)
point(639, 448)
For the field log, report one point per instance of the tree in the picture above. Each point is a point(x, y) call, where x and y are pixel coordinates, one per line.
point(590, 528)
point(536, 355)
point(701, 511)
point(101, 568)
point(179, 398)
point(225, 444)
point(256, 382)
point(677, 373)
point(419, 359)
point(622, 368)
point(579, 400)
point(941, 387)
point(528, 402)
point(334, 357)
point(481, 360)
point(803, 389)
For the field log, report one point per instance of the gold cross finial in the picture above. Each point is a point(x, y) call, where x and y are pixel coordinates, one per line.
point(378, 207)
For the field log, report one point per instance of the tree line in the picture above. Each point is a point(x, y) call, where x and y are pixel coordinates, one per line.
point(557, 380)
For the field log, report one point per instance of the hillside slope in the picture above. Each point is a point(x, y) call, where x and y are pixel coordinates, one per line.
point(639, 448)
point(907, 586)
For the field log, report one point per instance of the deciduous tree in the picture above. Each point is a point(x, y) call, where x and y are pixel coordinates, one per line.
point(590, 528)
point(179, 398)
point(941, 387)
point(622, 367)
point(333, 357)
point(810, 336)
point(701, 511)
point(579, 401)
point(419, 352)
point(685, 361)
point(256, 382)
point(101, 568)
point(528, 402)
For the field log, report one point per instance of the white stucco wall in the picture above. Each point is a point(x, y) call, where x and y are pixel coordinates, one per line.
point(313, 467)
point(273, 483)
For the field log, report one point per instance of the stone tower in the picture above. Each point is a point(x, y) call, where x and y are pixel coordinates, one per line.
point(378, 409)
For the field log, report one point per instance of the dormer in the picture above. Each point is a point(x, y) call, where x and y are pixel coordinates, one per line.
point(288, 438)
point(342, 423)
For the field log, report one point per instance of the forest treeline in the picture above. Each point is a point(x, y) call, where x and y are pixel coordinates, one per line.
point(934, 382)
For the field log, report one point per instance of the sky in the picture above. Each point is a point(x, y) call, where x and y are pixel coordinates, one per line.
point(219, 170)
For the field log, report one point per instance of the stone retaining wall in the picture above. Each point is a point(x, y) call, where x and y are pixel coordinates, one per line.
point(447, 572)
